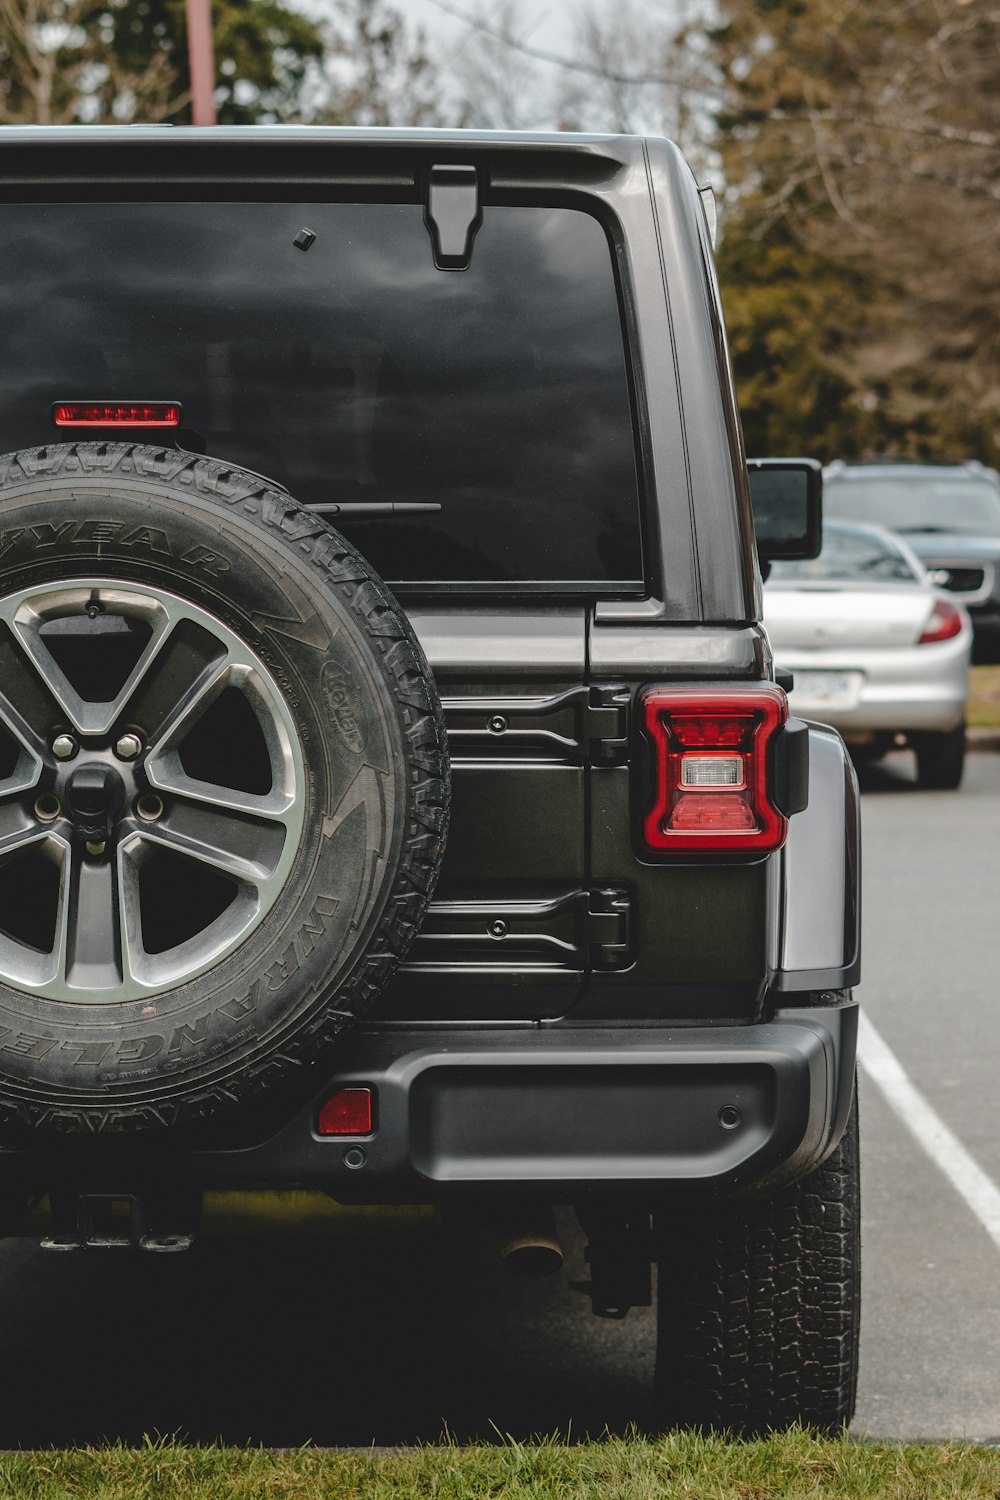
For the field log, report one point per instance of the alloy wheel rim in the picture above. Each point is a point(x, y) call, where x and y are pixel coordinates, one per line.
point(151, 791)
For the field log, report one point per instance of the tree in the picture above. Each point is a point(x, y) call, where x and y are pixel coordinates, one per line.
point(861, 156)
point(498, 79)
point(263, 50)
point(52, 58)
point(92, 61)
point(377, 73)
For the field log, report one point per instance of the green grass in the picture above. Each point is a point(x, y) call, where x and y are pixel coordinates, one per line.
point(681, 1466)
point(984, 697)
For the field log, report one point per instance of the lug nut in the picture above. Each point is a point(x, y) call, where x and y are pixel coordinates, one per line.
point(64, 747)
point(128, 747)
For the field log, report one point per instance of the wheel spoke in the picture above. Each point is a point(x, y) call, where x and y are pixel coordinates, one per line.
point(17, 830)
point(242, 847)
point(90, 934)
point(165, 768)
point(86, 716)
point(25, 704)
point(189, 674)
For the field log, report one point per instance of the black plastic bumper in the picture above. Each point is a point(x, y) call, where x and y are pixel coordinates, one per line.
point(557, 1111)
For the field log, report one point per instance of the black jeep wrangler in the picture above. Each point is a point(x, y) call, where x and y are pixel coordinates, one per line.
point(396, 800)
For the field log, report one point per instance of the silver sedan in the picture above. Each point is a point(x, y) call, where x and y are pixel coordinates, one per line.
point(875, 649)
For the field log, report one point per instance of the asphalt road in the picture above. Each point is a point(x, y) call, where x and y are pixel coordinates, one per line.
point(398, 1330)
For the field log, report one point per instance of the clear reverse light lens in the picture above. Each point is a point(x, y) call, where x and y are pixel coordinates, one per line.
point(712, 770)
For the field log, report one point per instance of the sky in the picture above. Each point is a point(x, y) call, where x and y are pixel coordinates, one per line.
point(542, 95)
point(547, 25)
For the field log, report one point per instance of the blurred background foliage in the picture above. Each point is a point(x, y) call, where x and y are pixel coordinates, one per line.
point(854, 148)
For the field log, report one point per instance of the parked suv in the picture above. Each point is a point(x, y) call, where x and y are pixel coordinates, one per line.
point(950, 516)
point(396, 799)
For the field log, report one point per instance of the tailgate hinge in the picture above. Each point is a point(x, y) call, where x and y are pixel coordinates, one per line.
point(609, 928)
point(606, 724)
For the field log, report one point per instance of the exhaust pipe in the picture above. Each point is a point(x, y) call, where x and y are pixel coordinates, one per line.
point(529, 1242)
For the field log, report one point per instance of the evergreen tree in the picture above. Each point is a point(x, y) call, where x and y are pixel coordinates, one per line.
point(91, 61)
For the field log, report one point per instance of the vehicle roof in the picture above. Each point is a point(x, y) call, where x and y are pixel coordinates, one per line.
point(622, 150)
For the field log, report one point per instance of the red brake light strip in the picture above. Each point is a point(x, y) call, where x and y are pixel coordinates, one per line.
point(117, 414)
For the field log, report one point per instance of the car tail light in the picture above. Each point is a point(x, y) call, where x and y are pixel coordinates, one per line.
point(712, 768)
point(945, 621)
point(117, 414)
point(347, 1112)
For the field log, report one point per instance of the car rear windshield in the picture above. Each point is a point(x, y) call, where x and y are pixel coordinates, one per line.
point(495, 399)
point(917, 504)
point(849, 556)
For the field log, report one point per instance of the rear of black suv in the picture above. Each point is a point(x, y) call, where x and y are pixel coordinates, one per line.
point(509, 884)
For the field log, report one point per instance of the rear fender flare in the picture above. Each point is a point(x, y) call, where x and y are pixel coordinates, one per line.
point(814, 885)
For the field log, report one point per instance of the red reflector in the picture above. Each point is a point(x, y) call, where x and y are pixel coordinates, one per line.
point(117, 414)
point(945, 622)
point(720, 798)
point(347, 1112)
point(712, 811)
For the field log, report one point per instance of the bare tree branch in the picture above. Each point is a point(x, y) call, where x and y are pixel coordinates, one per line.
point(558, 60)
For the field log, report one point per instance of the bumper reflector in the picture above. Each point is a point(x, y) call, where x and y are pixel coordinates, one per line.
point(347, 1112)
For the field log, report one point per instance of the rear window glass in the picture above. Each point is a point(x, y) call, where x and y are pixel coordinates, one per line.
point(848, 555)
point(354, 372)
point(937, 503)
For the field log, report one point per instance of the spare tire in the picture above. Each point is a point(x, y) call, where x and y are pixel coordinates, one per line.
point(223, 786)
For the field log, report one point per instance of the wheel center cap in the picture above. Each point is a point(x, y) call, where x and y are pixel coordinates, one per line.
point(94, 795)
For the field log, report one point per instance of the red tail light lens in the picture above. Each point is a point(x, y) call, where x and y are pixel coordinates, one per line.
point(117, 414)
point(945, 621)
point(347, 1112)
point(711, 768)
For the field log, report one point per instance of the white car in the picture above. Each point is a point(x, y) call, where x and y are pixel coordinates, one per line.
point(876, 650)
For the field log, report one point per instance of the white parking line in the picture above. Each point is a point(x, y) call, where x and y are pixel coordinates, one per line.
point(941, 1144)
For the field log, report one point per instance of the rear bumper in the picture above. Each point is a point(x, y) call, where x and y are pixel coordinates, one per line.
point(905, 688)
point(558, 1112)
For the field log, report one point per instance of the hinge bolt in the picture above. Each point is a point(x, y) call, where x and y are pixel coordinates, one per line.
point(496, 724)
point(498, 928)
point(64, 747)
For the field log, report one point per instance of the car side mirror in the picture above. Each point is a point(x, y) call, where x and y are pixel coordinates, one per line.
point(787, 507)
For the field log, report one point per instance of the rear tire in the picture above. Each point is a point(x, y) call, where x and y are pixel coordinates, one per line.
point(941, 759)
point(758, 1307)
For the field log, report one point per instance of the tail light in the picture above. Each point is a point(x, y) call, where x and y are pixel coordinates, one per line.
point(712, 777)
point(945, 621)
point(117, 414)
